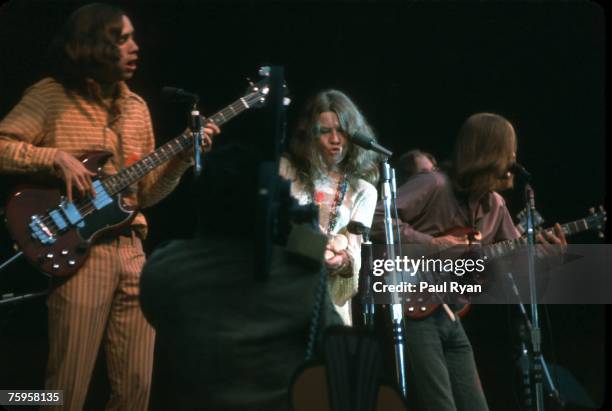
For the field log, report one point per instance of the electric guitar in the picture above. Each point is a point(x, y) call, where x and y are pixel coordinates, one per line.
point(421, 307)
point(55, 235)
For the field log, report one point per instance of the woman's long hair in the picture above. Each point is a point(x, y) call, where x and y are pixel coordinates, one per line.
point(304, 152)
point(86, 45)
point(483, 153)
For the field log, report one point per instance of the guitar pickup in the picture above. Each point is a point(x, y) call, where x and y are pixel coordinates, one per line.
point(40, 231)
point(102, 199)
point(59, 221)
point(72, 213)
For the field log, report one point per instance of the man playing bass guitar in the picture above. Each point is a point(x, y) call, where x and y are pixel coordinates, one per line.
point(86, 106)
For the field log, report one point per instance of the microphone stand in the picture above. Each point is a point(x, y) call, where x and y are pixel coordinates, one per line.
point(535, 334)
point(368, 309)
point(527, 361)
point(395, 213)
point(270, 193)
point(397, 311)
point(196, 131)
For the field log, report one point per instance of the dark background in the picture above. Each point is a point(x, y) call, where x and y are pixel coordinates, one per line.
point(415, 69)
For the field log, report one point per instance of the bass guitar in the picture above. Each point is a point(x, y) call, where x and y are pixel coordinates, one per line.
point(55, 235)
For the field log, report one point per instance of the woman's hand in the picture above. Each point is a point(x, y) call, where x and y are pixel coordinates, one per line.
point(338, 263)
point(337, 259)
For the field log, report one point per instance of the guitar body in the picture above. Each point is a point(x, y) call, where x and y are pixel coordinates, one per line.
point(350, 375)
point(419, 308)
point(310, 391)
point(420, 311)
point(70, 248)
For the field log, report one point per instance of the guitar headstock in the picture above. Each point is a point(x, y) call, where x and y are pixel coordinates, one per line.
point(257, 93)
point(596, 220)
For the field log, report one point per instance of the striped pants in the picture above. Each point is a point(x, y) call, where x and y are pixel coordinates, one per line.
point(101, 302)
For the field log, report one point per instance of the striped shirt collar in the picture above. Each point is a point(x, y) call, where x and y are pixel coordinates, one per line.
point(115, 106)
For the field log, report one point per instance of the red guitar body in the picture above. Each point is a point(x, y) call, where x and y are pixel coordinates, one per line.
point(65, 251)
point(419, 308)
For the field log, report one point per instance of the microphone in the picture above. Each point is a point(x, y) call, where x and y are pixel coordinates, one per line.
point(178, 94)
point(357, 228)
point(520, 171)
point(367, 142)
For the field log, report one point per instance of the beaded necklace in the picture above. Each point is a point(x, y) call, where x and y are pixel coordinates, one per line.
point(338, 199)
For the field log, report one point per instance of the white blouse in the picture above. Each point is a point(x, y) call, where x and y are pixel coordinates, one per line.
point(358, 205)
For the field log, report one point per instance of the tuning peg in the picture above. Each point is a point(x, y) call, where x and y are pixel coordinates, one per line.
point(251, 84)
point(592, 210)
point(601, 209)
point(600, 234)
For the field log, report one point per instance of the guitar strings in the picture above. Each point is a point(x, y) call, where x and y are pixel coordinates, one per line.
point(226, 114)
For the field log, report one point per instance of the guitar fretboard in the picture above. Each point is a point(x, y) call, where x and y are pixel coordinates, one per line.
point(504, 247)
point(128, 176)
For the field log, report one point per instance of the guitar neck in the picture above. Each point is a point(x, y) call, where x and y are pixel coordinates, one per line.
point(128, 176)
point(505, 247)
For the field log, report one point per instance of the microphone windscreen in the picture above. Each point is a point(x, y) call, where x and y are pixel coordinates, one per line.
point(169, 92)
point(178, 94)
point(355, 227)
point(361, 138)
point(520, 171)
